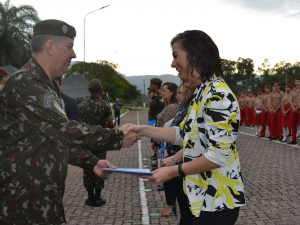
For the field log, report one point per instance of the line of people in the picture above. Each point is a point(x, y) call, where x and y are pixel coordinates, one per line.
point(276, 109)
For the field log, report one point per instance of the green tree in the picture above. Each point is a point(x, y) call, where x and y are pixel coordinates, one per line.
point(245, 71)
point(15, 25)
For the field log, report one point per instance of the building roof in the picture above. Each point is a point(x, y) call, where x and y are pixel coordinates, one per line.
point(10, 69)
point(75, 87)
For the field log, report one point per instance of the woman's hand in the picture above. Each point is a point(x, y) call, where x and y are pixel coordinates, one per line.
point(161, 175)
point(167, 162)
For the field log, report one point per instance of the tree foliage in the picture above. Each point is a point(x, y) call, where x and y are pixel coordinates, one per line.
point(112, 81)
point(240, 75)
point(15, 25)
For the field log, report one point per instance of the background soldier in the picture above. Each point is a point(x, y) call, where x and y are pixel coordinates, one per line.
point(3, 74)
point(275, 108)
point(243, 108)
point(250, 108)
point(117, 107)
point(154, 107)
point(95, 111)
point(295, 98)
point(265, 111)
point(70, 103)
point(37, 139)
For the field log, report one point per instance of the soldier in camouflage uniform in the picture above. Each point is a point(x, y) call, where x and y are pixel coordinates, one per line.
point(154, 106)
point(155, 103)
point(95, 111)
point(37, 140)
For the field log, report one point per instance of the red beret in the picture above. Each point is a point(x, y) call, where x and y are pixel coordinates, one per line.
point(268, 86)
point(237, 94)
point(3, 71)
point(244, 92)
point(291, 86)
point(260, 93)
point(250, 92)
point(277, 83)
point(297, 78)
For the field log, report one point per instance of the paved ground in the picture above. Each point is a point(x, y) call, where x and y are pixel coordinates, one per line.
point(270, 172)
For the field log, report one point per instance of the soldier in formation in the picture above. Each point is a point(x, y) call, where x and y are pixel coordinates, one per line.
point(279, 110)
point(95, 111)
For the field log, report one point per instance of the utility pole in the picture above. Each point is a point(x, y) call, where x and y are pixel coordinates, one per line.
point(84, 38)
point(144, 94)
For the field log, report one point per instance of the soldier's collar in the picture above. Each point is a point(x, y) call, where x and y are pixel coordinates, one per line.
point(94, 97)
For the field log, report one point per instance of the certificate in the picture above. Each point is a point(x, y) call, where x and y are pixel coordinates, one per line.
point(133, 171)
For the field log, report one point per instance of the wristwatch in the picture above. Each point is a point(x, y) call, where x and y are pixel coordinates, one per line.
point(181, 173)
point(174, 160)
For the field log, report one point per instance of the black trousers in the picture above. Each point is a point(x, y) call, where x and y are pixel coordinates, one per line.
point(226, 217)
point(117, 114)
point(186, 215)
point(170, 191)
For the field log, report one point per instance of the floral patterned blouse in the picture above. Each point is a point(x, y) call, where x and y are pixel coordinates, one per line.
point(210, 128)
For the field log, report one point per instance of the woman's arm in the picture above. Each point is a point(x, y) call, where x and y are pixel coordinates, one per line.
point(196, 166)
point(167, 134)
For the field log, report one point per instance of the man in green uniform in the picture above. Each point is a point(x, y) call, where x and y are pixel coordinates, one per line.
point(154, 107)
point(95, 111)
point(155, 103)
point(37, 140)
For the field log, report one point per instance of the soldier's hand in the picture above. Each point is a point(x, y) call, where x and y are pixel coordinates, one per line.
point(130, 138)
point(101, 164)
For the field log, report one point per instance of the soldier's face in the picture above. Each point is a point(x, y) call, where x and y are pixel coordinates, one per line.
point(297, 82)
point(153, 87)
point(64, 55)
point(267, 90)
point(3, 80)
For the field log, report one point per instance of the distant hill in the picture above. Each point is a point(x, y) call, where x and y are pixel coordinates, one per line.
point(139, 80)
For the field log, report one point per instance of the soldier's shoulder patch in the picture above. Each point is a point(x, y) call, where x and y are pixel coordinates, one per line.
point(47, 99)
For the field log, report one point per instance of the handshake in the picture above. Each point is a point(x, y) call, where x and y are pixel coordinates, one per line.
point(130, 134)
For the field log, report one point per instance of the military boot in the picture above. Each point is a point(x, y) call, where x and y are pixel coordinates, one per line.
point(90, 200)
point(98, 201)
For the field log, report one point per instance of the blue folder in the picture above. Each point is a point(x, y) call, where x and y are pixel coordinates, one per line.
point(133, 171)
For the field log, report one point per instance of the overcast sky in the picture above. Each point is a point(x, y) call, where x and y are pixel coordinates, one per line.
point(136, 34)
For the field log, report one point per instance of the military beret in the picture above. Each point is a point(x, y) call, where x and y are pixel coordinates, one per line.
point(291, 86)
point(238, 95)
point(244, 92)
point(297, 78)
point(156, 81)
point(276, 82)
point(54, 27)
point(250, 92)
point(3, 71)
point(260, 93)
point(95, 83)
point(268, 86)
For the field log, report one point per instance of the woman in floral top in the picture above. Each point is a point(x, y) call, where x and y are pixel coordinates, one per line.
point(211, 167)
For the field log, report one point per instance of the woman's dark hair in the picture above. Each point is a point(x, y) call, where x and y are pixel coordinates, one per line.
point(202, 53)
point(172, 87)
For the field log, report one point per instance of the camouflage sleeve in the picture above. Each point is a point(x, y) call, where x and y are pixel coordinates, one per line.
point(84, 159)
point(108, 113)
point(28, 99)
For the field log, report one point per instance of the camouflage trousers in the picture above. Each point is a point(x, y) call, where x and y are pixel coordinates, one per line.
point(90, 179)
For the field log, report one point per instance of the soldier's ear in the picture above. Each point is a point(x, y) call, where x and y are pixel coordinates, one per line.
point(50, 47)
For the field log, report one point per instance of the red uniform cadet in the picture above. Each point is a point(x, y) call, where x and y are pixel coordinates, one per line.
point(265, 111)
point(275, 107)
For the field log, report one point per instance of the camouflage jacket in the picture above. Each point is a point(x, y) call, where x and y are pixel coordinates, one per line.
point(36, 140)
point(154, 107)
point(95, 111)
